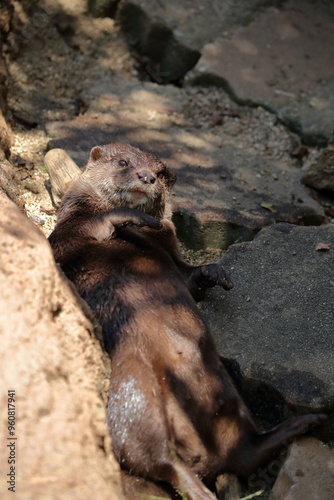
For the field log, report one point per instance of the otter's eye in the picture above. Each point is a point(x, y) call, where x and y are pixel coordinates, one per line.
point(123, 163)
point(160, 175)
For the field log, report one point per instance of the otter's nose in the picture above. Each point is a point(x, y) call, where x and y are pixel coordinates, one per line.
point(146, 177)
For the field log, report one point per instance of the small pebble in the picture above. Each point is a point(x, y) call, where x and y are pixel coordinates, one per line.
point(32, 186)
point(37, 219)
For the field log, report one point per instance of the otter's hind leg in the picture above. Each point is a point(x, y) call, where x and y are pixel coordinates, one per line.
point(141, 435)
point(257, 448)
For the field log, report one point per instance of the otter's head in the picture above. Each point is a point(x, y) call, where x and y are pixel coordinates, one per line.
point(124, 176)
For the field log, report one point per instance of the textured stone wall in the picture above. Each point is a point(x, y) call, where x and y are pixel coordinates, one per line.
point(51, 359)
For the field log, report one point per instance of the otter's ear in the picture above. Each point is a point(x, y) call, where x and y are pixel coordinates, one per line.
point(96, 153)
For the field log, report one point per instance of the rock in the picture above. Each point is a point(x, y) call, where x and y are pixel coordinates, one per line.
point(171, 34)
point(8, 183)
point(223, 194)
point(277, 322)
point(51, 358)
point(121, 109)
point(283, 61)
point(219, 201)
point(319, 172)
point(5, 138)
point(307, 473)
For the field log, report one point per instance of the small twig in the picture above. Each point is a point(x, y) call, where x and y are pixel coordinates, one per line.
point(253, 495)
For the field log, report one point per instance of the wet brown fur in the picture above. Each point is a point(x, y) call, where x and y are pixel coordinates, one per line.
point(174, 414)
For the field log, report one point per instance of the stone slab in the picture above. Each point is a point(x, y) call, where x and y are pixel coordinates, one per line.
point(277, 322)
point(284, 61)
point(307, 473)
point(171, 34)
point(223, 194)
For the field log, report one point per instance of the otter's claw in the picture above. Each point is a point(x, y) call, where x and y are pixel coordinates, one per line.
point(212, 275)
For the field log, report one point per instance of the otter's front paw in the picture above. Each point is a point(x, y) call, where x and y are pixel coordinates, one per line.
point(212, 275)
point(145, 220)
point(130, 217)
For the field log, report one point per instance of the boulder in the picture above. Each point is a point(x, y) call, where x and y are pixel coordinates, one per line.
point(307, 473)
point(53, 375)
point(171, 34)
point(276, 324)
point(283, 61)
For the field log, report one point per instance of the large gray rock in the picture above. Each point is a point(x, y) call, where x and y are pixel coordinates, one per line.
point(51, 358)
point(171, 34)
point(278, 321)
point(283, 61)
point(223, 194)
point(307, 473)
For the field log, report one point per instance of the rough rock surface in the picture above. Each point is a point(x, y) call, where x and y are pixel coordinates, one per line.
point(9, 184)
point(223, 194)
point(50, 357)
point(171, 34)
point(277, 322)
point(284, 61)
point(307, 473)
point(319, 172)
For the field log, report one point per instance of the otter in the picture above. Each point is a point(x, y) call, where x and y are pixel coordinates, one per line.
point(175, 416)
